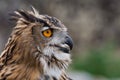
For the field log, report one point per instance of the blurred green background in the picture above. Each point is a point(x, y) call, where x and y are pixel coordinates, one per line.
point(94, 26)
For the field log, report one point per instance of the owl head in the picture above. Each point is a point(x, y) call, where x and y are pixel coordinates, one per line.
point(38, 46)
point(49, 34)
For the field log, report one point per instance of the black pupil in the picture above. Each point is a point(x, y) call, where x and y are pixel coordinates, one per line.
point(47, 31)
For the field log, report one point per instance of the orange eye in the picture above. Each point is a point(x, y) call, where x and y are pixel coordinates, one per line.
point(47, 33)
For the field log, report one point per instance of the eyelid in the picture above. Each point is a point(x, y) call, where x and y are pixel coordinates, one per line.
point(45, 28)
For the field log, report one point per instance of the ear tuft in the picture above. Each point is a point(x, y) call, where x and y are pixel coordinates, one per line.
point(24, 15)
point(35, 11)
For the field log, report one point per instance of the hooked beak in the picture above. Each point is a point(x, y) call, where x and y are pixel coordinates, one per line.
point(67, 45)
point(69, 42)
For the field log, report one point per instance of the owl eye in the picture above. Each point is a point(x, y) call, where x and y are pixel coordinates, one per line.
point(47, 33)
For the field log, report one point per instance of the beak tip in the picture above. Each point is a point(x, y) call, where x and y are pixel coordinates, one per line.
point(69, 42)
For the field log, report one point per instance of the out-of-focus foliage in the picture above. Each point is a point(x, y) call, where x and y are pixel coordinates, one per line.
point(100, 61)
point(93, 24)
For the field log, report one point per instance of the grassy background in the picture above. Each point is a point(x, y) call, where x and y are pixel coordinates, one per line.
point(104, 61)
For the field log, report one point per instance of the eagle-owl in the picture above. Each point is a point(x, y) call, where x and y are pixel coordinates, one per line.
point(37, 49)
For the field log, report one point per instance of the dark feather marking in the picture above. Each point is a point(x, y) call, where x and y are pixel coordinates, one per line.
point(1, 67)
point(48, 63)
point(63, 78)
point(53, 20)
point(9, 56)
point(47, 77)
point(14, 16)
point(26, 16)
point(2, 75)
point(54, 78)
point(3, 79)
point(7, 75)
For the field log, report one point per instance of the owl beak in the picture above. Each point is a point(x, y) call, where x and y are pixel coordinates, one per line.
point(67, 45)
point(69, 42)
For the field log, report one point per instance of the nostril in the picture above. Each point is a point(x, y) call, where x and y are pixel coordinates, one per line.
point(69, 42)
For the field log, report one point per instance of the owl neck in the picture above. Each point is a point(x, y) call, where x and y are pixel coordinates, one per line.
point(48, 66)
